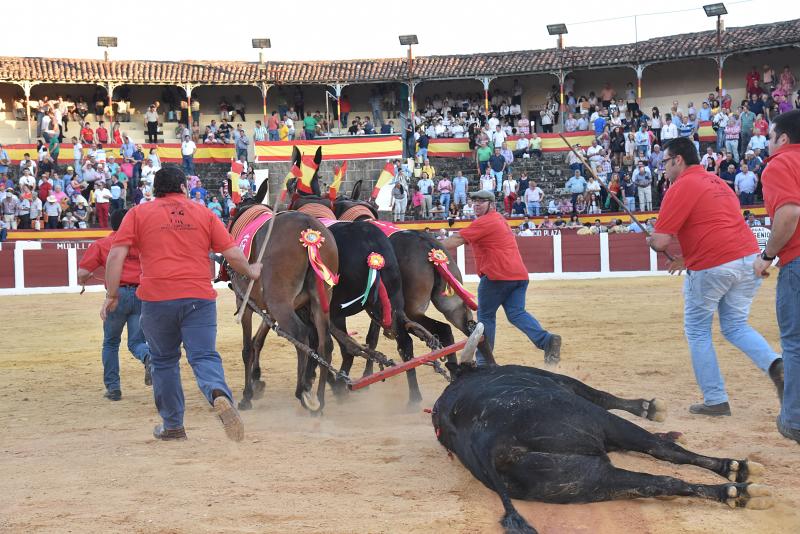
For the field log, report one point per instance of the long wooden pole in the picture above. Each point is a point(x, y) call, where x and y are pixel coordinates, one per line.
point(610, 192)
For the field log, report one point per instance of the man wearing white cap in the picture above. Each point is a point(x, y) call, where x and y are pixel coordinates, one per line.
point(52, 212)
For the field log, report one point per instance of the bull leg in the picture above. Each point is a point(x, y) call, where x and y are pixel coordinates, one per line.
point(247, 357)
point(574, 478)
point(258, 344)
point(621, 434)
point(654, 409)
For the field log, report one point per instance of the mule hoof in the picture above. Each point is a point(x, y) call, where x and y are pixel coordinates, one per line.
point(309, 401)
point(657, 410)
point(259, 386)
point(754, 469)
point(245, 404)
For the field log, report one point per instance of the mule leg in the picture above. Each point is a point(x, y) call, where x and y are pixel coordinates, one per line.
point(405, 345)
point(622, 434)
point(574, 478)
point(294, 326)
point(654, 409)
point(323, 343)
point(373, 334)
point(247, 357)
point(258, 344)
point(339, 388)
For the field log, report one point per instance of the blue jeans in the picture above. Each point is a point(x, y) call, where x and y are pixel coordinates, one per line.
point(498, 179)
point(444, 199)
point(168, 323)
point(788, 308)
point(630, 203)
point(746, 199)
point(188, 165)
point(510, 294)
point(241, 152)
point(720, 139)
point(129, 308)
point(460, 198)
point(422, 153)
point(534, 208)
point(729, 289)
point(273, 135)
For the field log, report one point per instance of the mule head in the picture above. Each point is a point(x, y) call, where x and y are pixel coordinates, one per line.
point(306, 169)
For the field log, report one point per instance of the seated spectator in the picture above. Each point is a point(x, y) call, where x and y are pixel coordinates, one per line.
point(519, 208)
point(437, 212)
point(547, 224)
point(560, 222)
point(468, 211)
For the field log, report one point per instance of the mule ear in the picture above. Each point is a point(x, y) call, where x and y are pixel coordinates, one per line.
point(318, 156)
point(356, 194)
point(468, 354)
point(296, 156)
point(261, 194)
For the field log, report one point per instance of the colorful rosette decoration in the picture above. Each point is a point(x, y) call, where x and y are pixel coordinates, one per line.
point(312, 240)
point(375, 262)
point(440, 260)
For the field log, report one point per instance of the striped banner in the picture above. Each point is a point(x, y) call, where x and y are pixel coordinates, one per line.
point(335, 148)
point(167, 153)
point(459, 147)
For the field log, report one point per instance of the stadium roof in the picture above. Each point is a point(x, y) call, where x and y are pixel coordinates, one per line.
point(658, 50)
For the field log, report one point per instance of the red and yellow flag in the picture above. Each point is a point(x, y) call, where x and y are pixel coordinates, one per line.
point(338, 176)
point(384, 178)
point(236, 171)
point(294, 172)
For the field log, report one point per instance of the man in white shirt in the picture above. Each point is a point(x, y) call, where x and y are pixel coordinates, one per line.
point(509, 193)
point(669, 130)
point(595, 154)
point(426, 188)
point(102, 198)
point(521, 147)
point(188, 149)
point(757, 141)
point(533, 199)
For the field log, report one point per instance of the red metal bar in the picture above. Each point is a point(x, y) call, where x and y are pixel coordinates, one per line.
point(405, 366)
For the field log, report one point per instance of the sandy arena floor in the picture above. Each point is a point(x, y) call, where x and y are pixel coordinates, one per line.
point(71, 461)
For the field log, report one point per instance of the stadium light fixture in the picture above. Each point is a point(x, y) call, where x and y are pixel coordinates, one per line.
point(106, 42)
point(261, 44)
point(715, 10)
point(408, 40)
point(557, 29)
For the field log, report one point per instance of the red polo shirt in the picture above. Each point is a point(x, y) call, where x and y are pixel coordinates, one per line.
point(704, 213)
point(495, 248)
point(781, 185)
point(97, 254)
point(174, 236)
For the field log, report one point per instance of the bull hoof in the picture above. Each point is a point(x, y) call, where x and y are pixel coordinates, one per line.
point(744, 470)
point(753, 496)
point(655, 410)
point(245, 404)
point(258, 388)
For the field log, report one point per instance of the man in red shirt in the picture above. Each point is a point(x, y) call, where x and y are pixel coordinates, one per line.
point(718, 252)
point(504, 277)
point(174, 237)
point(128, 310)
point(781, 184)
point(87, 134)
point(102, 133)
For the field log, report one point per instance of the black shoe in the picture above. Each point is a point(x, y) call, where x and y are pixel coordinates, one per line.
point(791, 433)
point(715, 410)
point(169, 434)
point(148, 380)
point(113, 395)
point(776, 374)
point(552, 352)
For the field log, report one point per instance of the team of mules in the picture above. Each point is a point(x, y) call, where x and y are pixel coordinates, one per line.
point(523, 432)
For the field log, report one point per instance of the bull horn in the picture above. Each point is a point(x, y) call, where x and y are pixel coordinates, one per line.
point(468, 354)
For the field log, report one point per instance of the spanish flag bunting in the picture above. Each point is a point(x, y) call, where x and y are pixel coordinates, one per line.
point(236, 172)
point(337, 181)
point(387, 174)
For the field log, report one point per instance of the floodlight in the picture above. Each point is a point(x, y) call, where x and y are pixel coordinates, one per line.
point(108, 42)
point(557, 29)
point(408, 40)
point(262, 43)
point(715, 10)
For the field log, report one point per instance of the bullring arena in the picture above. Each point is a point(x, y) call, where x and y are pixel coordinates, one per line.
point(369, 464)
point(370, 461)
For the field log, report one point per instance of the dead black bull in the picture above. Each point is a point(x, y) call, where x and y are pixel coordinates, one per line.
point(530, 434)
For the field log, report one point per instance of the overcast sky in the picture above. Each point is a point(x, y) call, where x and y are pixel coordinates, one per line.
point(349, 29)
